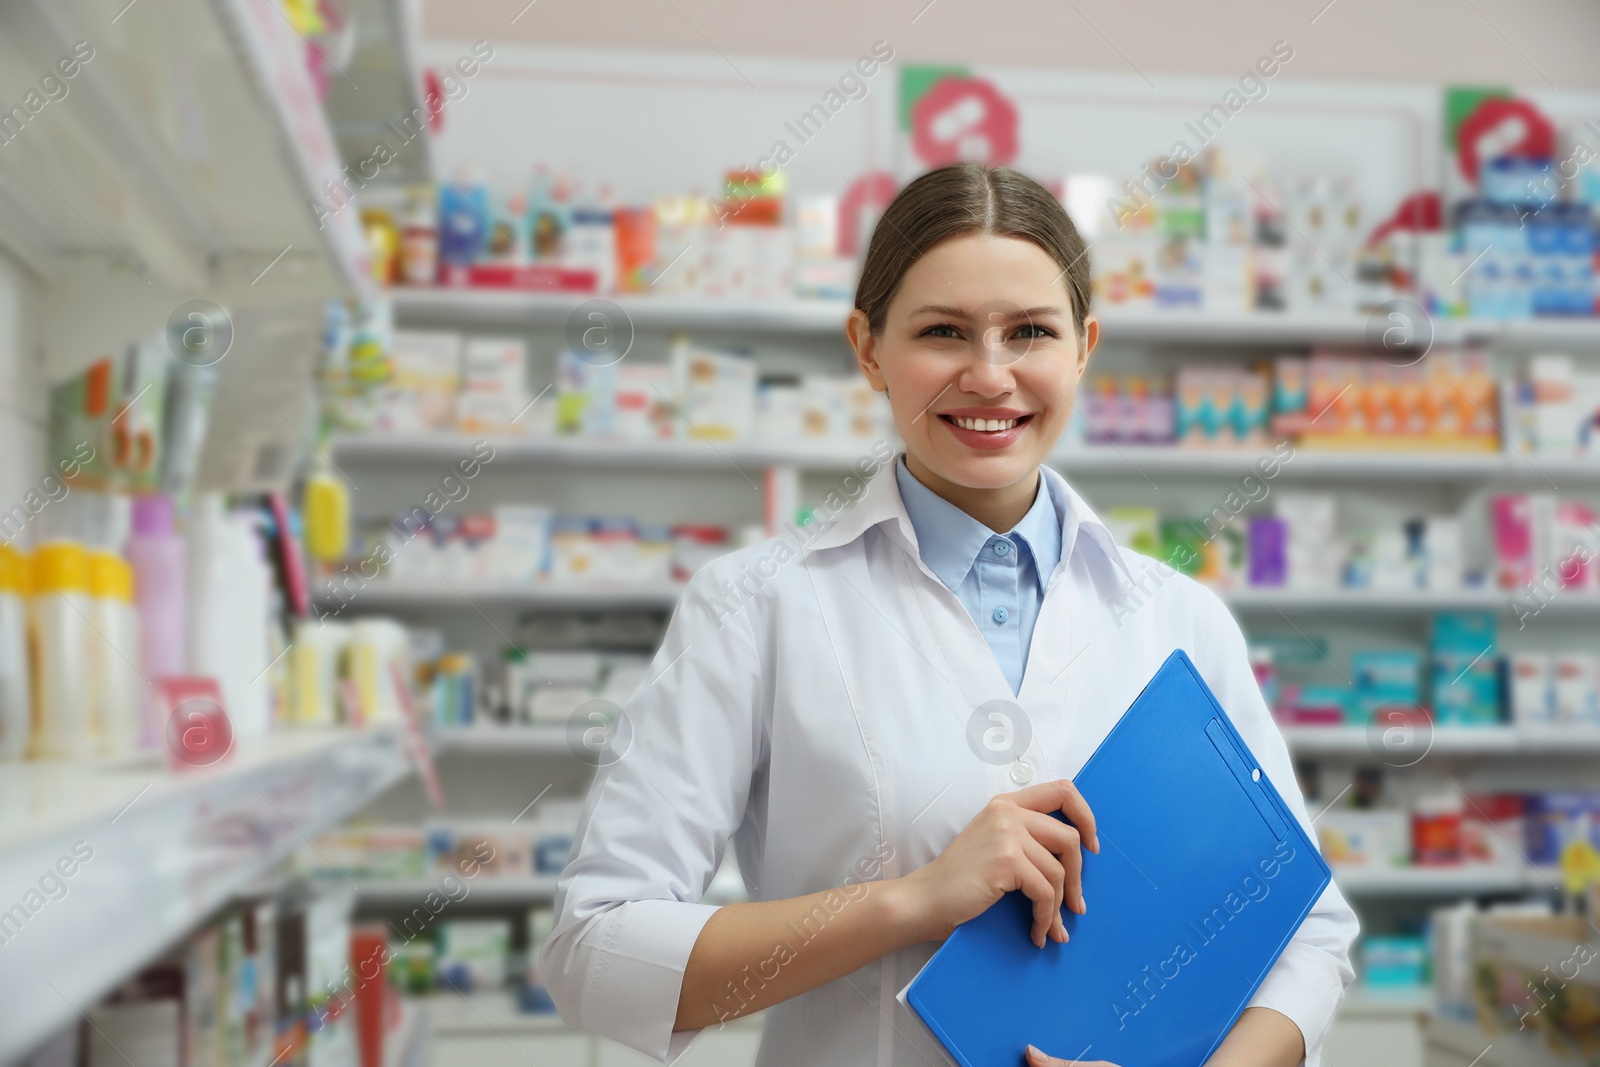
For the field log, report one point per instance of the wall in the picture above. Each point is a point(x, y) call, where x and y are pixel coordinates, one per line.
point(22, 410)
point(1526, 43)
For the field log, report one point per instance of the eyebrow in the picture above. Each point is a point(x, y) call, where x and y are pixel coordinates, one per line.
point(1046, 311)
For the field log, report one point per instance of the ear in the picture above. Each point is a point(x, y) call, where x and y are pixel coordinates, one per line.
point(865, 345)
point(1091, 338)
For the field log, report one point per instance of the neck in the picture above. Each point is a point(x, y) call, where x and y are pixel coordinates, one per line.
point(1000, 509)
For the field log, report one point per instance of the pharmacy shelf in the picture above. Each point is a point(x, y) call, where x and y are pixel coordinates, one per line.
point(1553, 740)
point(1462, 880)
point(164, 850)
point(141, 167)
point(477, 595)
point(1124, 460)
point(379, 98)
point(1362, 1001)
point(467, 595)
point(406, 1045)
point(684, 455)
point(495, 1013)
point(533, 740)
point(511, 309)
point(485, 889)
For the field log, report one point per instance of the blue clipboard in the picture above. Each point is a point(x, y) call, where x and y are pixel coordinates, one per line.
point(1202, 879)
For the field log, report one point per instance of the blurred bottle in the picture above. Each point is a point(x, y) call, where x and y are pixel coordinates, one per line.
point(114, 684)
point(14, 689)
point(58, 612)
point(229, 611)
point(156, 551)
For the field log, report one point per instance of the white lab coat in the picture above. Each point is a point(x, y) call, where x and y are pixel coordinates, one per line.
point(810, 704)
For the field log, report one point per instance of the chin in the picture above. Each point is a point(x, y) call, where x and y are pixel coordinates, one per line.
point(977, 471)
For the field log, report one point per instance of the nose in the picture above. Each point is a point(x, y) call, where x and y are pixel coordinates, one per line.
point(987, 373)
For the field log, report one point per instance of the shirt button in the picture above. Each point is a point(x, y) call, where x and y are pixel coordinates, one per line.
point(1000, 615)
point(1022, 772)
point(1002, 546)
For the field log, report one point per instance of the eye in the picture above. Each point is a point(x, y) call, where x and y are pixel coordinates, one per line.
point(1033, 331)
point(942, 330)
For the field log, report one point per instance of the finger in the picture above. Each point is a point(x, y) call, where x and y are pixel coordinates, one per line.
point(1051, 832)
point(1039, 1059)
point(1056, 874)
point(1061, 795)
point(1039, 889)
point(1064, 844)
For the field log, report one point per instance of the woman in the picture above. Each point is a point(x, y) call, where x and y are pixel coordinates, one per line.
point(880, 714)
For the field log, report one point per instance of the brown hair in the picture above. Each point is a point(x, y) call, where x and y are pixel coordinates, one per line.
point(969, 198)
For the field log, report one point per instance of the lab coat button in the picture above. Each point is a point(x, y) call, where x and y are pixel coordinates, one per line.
point(1002, 546)
point(1022, 772)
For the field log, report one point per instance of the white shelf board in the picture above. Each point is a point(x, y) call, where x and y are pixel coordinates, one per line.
point(495, 1012)
point(167, 849)
point(1124, 460)
point(584, 452)
point(535, 739)
point(1553, 740)
point(379, 99)
point(470, 595)
point(163, 156)
point(497, 889)
point(1362, 1001)
point(514, 309)
point(485, 307)
point(1431, 881)
point(463, 595)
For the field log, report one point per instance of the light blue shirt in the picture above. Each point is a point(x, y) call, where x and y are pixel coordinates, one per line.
point(999, 578)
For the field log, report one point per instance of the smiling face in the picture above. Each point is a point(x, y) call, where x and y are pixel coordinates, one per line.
point(981, 361)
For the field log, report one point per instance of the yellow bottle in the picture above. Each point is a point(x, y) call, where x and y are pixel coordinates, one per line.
point(327, 517)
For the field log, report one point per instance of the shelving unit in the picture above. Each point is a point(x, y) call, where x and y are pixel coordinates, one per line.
point(166, 850)
point(392, 449)
point(468, 595)
point(151, 190)
point(1146, 470)
point(485, 308)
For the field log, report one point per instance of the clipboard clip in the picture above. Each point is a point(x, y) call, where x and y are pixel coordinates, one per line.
point(1251, 779)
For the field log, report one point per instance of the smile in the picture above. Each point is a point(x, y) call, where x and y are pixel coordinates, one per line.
point(985, 425)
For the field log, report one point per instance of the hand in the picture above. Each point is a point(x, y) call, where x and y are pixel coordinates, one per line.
point(1039, 1059)
point(1013, 843)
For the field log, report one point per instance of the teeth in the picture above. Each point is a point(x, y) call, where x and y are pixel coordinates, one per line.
point(986, 425)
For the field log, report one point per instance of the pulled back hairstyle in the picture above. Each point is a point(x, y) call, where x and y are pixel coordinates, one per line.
point(969, 198)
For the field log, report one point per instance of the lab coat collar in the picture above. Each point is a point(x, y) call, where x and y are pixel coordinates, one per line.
point(951, 540)
point(881, 505)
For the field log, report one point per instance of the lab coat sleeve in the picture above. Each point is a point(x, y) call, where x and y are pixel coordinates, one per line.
point(1307, 983)
point(657, 820)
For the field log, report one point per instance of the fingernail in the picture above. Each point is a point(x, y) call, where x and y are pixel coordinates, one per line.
point(1094, 845)
point(1034, 1053)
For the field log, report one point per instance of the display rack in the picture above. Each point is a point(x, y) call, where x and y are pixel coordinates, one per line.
point(176, 159)
point(527, 310)
point(1100, 460)
point(551, 595)
point(166, 849)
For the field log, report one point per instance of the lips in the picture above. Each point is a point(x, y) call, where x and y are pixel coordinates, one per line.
point(986, 430)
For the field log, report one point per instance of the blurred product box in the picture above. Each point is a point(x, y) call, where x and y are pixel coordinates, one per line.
point(715, 391)
point(1364, 838)
point(494, 378)
point(1494, 829)
point(1559, 820)
point(1394, 962)
point(1436, 829)
point(378, 852)
point(1387, 679)
point(473, 954)
point(421, 395)
point(1537, 973)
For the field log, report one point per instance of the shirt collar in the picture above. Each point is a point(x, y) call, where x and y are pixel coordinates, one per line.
point(880, 504)
point(950, 539)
